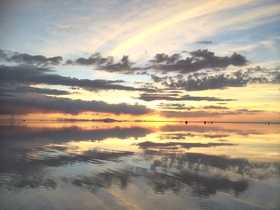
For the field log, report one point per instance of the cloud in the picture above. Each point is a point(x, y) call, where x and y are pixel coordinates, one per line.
point(123, 66)
point(175, 136)
point(202, 113)
point(35, 75)
point(175, 106)
point(3, 55)
point(215, 136)
point(247, 111)
point(184, 114)
point(200, 59)
point(182, 107)
point(203, 42)
point(107, 64)
point(215, 107)
point(263, 75)
point(176, 97)
point(37, 60)
point(276, 76)
point(207, 81)
point(28, 89)
point(95, 59)
point(21, 106)
point(162, 63)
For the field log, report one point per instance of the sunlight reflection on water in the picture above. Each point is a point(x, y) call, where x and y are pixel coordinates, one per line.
point(140, 166)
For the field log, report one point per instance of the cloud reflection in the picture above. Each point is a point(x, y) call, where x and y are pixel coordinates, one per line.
point(41, 159)
point(19, 133)
point(174, 145)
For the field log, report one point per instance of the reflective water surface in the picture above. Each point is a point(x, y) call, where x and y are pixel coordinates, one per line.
point(139, 166)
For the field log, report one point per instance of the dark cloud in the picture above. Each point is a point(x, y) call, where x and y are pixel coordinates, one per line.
point(175, 106)
point(213, 136)
point(215, 107)
point(28, 89)
point(220, 81)
point(175, 136)
point(157, 79)
point(37, 60)
point(276, 76)
point(2, 94)
point(95, 59)
point(200, 59)
point(183, 107)
point(214, 82)
point(176, 97)
point(123, 66)
point(206, 81)
point(247, 111)
point(33, 75)
point(3, 55)
point(164, 58)
point(20, 106)
point(108, 64)
point(204, 42)
point(163, 63)
point(263, 75)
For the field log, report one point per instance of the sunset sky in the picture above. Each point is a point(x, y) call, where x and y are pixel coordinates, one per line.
point(136, 59)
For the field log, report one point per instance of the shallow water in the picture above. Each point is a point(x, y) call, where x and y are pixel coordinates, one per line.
point(139, 166)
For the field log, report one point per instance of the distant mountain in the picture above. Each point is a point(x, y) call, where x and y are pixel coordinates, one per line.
point(109, 120)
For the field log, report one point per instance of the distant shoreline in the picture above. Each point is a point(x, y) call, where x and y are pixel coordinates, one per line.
point(145, 121)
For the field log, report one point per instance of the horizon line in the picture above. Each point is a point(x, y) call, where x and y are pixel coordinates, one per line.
point(110, 120)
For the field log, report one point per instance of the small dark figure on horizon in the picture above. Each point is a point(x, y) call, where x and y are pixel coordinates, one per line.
point(186, 122)
point(204, 122)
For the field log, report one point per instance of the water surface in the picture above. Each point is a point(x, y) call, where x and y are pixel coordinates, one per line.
point(139, 166)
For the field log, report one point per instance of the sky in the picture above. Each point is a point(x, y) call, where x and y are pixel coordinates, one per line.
point(140, 60)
